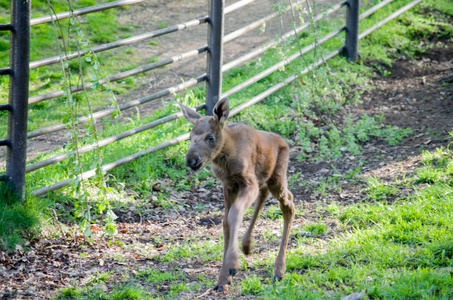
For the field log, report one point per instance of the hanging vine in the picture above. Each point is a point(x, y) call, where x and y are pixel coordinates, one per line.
point(89, 207)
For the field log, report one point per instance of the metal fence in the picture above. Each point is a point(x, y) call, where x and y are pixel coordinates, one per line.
point(18, 71)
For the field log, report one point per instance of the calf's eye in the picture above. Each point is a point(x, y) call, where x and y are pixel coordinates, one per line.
point(210, 138)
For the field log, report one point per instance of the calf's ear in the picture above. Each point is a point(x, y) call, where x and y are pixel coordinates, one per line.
point(221, 110)
point(190, 114)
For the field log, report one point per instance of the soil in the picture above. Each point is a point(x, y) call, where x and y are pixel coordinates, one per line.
point(412, 96)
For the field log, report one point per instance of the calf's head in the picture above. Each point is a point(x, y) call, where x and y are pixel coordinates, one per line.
point(206, 137)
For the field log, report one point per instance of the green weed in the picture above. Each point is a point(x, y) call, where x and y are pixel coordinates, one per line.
point(162, 24)
point(251, 286)
point(207, 250)
point(378, 190)
point(273, 212)
point(315, 229)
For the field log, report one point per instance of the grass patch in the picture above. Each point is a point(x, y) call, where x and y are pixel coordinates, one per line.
point(19, 220)
point(391, 251)
point(206, 251)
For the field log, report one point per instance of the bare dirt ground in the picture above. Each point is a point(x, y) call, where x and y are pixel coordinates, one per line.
point(413, 96)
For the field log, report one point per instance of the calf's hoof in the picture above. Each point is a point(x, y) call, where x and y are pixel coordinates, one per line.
point(247, 245)
point(278, 278)
point(246, 249)
point(233, 272)
point(220, 288)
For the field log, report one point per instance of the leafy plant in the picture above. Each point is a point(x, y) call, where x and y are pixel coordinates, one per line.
point(74, 166)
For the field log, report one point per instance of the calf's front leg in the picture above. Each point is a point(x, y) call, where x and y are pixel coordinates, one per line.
point(233, 218)
point(224, 277)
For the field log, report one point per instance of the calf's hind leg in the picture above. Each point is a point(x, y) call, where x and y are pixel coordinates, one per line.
point(247, 239)
point(279, 189)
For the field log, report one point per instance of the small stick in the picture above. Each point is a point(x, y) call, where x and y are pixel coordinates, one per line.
point(205, 293)
point(58, 223)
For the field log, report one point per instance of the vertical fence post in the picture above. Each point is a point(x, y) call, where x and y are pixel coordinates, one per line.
point(215, 54)
point(352, 30)
point(18, 95)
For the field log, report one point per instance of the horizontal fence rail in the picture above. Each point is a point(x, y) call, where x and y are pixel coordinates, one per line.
point(109, 140)
point(82, 11)
point(6, 27)
point(122, 75)
point(6, 107)
point(121, 107)
point(5, 142)
point(374, 9)
point(258, 23)
point(5, 71)
point(237, 5)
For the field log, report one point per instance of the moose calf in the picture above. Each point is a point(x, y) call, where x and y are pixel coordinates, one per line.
point(250, 163)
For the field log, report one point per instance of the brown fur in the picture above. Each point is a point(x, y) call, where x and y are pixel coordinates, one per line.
point(250, 163)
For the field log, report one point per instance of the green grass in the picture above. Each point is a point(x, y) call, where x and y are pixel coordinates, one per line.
point(156, 276)
point(19, 220)
point(204, 251)
point(315, 229)
point(402, 250)
point(378, 190)
point(129, 291)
